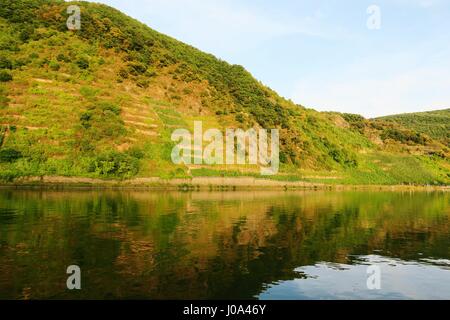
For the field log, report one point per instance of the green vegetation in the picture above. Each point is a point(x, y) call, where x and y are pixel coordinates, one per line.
point(435, 124)
point(9, 155)
point(75, 103)
point(115, 164)
point(3, 98)
point(5, 76)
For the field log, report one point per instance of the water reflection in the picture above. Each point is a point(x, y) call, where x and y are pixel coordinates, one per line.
point(400, 280)
point(208, 245)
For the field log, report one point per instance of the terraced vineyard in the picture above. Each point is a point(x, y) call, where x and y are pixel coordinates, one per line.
point(102, 102)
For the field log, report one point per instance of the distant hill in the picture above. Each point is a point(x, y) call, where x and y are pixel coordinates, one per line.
point(435, 124)
point(102, 102)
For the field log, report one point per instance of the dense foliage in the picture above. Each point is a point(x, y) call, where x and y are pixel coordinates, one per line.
point(435, 124)
point(75, 103)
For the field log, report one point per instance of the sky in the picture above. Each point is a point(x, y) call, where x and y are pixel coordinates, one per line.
point(367, 57)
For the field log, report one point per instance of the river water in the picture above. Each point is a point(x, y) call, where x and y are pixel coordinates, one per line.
point(225, 245)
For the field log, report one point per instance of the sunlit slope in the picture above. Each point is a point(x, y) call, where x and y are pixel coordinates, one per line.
point(435, 124)
point(102, 102)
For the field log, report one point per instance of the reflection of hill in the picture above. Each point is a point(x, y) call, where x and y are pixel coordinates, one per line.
point(204, 245)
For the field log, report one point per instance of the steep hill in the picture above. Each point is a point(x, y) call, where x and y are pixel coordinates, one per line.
point(435, 124)
point(102, 102)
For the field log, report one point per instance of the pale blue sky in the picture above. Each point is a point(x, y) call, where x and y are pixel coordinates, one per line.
point(321, 53)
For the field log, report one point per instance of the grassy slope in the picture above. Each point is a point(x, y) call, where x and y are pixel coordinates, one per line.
point(102, 102)
point(435, 124)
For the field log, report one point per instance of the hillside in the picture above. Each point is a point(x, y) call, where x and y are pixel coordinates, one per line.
point(435, 124)
point(102, 102)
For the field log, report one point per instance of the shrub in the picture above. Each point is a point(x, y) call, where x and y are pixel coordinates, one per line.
point(20, 62)
point(136, 152)
point(355, 121)
point(187, 91)
point(85, 119)
point(339, 154)
point(89, 92)
point(240, 118)
point(42, 63)
point(5, 76)
point(115, 164)
point(111, 107)
point(62, 58)
point(150, 73)
point(9, 155)
point(54, 66)
point(136, 68)
point(403, 136)
point(142, 83)
point(26, 33)
point(100, 121)
point(5, 63)
point(83, 63)
point(123, 74)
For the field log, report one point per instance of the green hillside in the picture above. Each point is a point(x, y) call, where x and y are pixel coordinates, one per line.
point(102, 102)
point(435, 124)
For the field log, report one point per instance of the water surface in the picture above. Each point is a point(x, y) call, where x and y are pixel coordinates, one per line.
point(230, 245)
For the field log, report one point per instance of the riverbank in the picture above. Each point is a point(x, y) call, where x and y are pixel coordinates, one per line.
point(201, 183)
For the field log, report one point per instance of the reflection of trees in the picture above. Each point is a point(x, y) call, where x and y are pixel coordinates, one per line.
point(202, 245)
